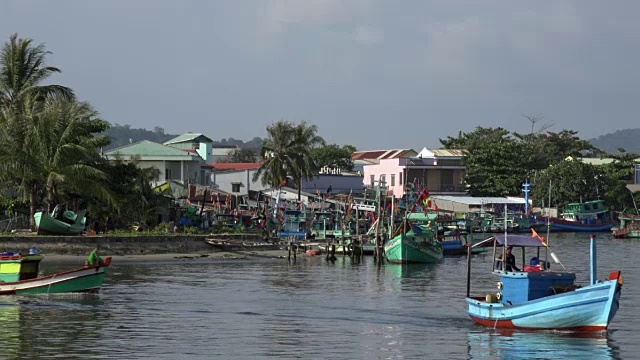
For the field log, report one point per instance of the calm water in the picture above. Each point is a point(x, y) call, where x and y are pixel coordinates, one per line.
point(311, 309)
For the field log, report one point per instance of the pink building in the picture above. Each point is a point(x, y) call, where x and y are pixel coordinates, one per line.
point(441, 171)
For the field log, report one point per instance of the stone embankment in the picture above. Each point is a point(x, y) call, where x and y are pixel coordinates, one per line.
point(120, 245)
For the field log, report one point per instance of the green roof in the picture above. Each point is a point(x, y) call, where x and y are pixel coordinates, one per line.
point(189, 137)
point(149, 150)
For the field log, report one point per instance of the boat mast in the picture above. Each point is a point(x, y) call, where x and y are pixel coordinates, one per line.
point(546, 248)
point(504, 248)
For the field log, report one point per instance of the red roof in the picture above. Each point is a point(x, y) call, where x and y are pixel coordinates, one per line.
point(235, 166)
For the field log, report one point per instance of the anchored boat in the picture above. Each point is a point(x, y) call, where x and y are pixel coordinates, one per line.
point(413, 244)
point(19, 275)
point(540, 299)
point(588, 216)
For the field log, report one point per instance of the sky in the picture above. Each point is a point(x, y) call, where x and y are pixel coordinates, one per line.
point(375, 74)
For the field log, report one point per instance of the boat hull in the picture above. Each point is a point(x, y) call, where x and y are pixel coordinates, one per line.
point(413, 249)
point(46, 224)
point(87, 279)
point(590, 308)
point(574, 226)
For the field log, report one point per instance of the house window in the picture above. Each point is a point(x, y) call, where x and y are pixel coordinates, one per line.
point(235, 187)
point(393, 179)
point(167, 174)
point(373, 180)
point(400, 177)
point(383, 179)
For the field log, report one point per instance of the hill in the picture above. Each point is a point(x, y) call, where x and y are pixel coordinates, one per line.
point(122, 135)
point(628, 139)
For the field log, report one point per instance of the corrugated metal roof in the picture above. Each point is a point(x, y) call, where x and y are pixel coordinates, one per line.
point(235, 166)
point(150, 148)
point(448, 152)
point(382, 154)
point(188, 137)
point(470, 200)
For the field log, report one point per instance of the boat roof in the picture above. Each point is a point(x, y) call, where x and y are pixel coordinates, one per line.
point(513, 240)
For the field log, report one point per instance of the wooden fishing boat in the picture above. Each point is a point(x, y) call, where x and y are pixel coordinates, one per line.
point(629, 226)
point(588, 216)
point(19, 275)
point(540, 299)
point(413, 244)
point(56, 223)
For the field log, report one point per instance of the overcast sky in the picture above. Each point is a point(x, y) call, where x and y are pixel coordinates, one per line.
point(375, 74)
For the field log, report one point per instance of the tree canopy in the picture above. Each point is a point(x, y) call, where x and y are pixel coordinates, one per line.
point(334, 156)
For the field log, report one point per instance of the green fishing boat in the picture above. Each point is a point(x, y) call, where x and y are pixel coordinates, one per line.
point(413, 244)
point(629, 226)
point(19, 276)
point(67, 223)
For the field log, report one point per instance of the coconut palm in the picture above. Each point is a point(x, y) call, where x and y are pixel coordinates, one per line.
point(278, 151)
point(306, 137)
point(57, 154)
point(286, 154)
point(23, 69)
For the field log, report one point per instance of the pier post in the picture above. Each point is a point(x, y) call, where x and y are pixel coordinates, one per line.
point(290, 247)
point(594, 262)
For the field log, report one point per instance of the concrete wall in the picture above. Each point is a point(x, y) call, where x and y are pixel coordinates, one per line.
point(339, 183)
point(225, 181)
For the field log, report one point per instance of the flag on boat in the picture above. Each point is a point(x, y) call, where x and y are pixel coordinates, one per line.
point(541, 238)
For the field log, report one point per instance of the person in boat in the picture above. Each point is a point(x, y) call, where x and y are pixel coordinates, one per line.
point(94, 258)
point(510, 263)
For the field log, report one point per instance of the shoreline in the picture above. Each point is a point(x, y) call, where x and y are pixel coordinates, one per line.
point(171, 257)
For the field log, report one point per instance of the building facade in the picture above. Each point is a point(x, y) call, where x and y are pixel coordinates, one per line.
point(440, 171)
point(187, 167)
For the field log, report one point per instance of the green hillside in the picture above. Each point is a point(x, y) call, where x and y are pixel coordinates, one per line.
point(628, 139)
point(124, 134)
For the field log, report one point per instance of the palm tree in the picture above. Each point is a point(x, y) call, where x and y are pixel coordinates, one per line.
point(22, 71)
point(57, 155)
point(278, 151)
point(286, 153)
point(306, 137)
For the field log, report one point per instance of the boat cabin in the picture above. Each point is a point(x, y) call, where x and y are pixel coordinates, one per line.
point(533, 280)
point(293, 225)
point(589, 212)
point(16, 267)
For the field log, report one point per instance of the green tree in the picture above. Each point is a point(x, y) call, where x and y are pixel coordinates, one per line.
point(57, 154)
point(497, 160)
point(570, 181)
point(134, 199)
point(287, 154)
point(239, 155)
point(334, 156)
point(23, 69)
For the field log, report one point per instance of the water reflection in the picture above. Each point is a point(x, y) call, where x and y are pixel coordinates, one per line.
point(65, 321)
point(494, 344)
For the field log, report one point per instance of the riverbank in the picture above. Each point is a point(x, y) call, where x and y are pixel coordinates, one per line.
point(142, 247)
point(171, 257)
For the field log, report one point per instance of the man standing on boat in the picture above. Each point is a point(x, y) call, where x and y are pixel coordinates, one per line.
point(94, 258)
point(511, 260)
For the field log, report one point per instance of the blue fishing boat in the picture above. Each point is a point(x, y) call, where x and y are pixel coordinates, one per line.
point(540, 299)
point(588, 216)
